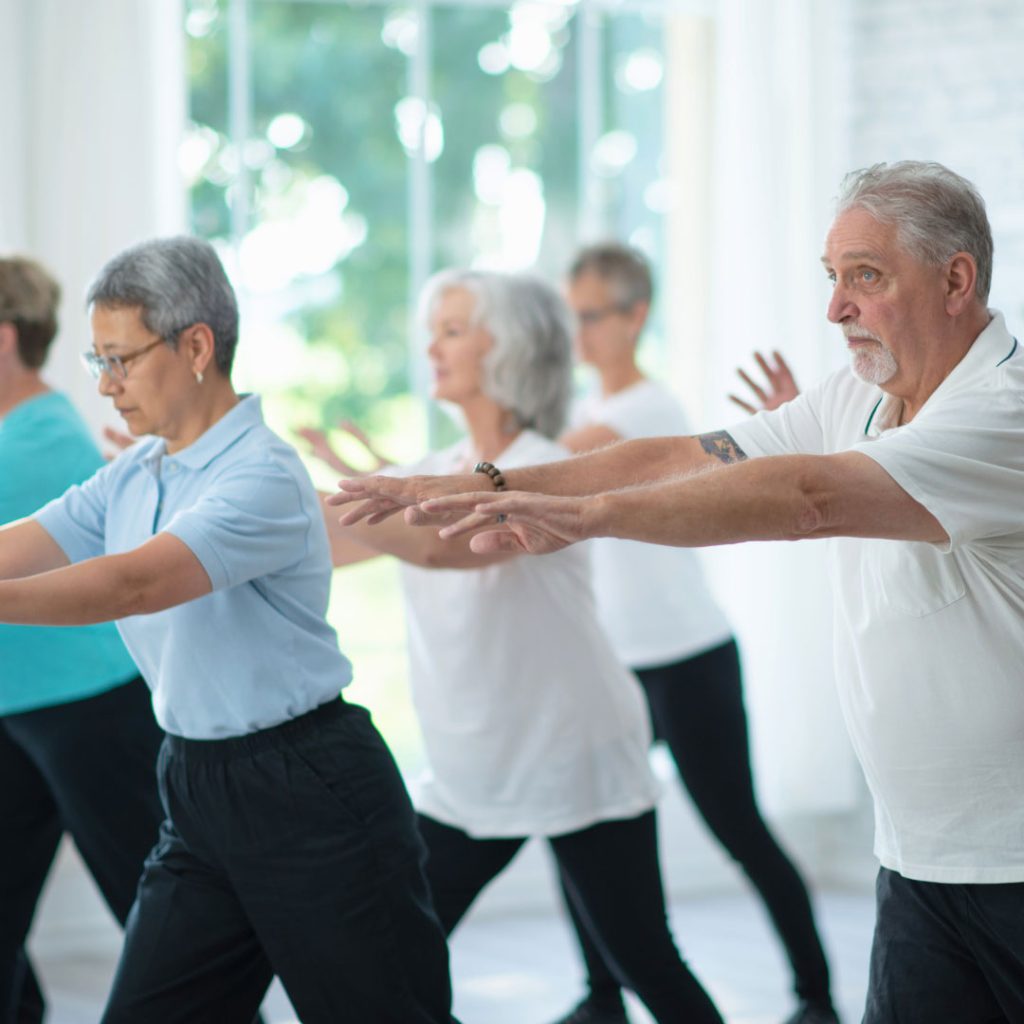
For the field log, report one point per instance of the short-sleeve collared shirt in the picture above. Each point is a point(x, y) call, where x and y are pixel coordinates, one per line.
point(531, 725)
point(257, 651)
point(930, 638)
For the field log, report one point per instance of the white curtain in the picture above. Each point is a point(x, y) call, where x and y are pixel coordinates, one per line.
point(94, 108)
point(777, 158)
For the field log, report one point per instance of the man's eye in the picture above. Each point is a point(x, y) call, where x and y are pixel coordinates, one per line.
point(869, 276)
point(831, 277)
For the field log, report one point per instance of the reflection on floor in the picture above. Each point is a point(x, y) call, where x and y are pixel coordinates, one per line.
point(523, 969)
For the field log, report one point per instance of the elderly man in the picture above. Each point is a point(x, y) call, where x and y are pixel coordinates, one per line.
point(912, 464)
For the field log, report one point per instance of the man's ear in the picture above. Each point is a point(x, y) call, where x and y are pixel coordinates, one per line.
point(960, 280)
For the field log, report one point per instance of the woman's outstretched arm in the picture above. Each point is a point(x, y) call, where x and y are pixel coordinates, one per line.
point(42, 589)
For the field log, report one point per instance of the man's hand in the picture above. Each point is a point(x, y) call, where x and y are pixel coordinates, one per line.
point(781, 385)
point(534, 524)
point(380, 497)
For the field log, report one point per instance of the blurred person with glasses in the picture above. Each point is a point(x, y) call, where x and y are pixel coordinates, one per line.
point(78, 741)
point(288, 843)
point(663, 622)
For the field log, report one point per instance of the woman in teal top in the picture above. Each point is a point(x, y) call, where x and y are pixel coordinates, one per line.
point(45, 447)
point(78, 741)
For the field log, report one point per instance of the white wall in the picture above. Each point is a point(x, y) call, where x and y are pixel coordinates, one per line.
point(93, 108)
point(942, 80)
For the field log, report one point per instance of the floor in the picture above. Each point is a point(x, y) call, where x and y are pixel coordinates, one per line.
point(521, 969)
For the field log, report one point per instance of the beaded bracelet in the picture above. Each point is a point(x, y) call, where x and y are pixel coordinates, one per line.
point(493, 472)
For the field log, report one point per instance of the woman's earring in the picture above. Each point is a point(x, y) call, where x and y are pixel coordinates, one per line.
point(199, 377)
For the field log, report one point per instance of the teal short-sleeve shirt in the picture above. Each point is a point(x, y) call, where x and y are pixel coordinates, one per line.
point(45, 448)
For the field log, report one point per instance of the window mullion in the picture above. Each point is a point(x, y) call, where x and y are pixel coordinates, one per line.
point(240, 114)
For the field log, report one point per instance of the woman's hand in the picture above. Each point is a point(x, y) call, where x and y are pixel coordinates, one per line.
point(781, 385)
point(322, 449)
point(119, 440)
point(379, 497)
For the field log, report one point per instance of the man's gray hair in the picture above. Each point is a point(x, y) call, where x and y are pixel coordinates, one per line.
point(529, 369)
point(174, 283)
point(625, 268)
point(937, 212)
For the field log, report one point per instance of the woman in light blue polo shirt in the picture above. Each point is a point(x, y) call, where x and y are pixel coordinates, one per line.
point(289, 844)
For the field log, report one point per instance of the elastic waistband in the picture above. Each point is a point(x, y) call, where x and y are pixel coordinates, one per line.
point(257, 742)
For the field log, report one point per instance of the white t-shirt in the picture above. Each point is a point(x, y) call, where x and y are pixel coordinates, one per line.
point(930, 639)
point(653, 600)
point(530, 723)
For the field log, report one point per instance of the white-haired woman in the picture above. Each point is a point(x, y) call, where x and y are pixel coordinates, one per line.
point(289, 844)
point(531, 726)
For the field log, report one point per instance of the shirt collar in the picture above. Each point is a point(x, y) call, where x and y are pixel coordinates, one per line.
point(990, 349)
point(248, 413)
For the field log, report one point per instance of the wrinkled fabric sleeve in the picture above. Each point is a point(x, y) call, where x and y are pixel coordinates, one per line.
point(965, 464)
point(248, 524)
point(794, 428)
point(77, 519)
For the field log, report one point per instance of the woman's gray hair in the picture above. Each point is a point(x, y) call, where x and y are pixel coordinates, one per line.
point(175, 283)
point(936, 212)
point(529, 369)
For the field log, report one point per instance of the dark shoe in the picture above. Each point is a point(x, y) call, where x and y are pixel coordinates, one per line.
point(808, 1013)
point(590, 1013)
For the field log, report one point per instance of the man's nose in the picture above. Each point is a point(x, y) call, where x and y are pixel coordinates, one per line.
point(841, 307)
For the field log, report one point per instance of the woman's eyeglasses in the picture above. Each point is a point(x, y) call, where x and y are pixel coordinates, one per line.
point(116, 367)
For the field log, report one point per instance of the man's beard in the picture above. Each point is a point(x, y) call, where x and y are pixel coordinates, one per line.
point(873, 364)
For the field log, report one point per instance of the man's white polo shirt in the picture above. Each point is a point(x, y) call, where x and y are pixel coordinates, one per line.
point(929, 640)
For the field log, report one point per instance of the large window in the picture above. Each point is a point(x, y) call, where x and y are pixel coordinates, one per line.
point(339, 153)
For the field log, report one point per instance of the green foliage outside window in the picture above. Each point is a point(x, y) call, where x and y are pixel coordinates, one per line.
point(311, 211)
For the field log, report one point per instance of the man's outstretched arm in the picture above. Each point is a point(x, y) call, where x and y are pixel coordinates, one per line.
point(790, 497)
point(625, 464)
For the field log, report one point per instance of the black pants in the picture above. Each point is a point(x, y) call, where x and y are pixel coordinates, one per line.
point(697, 709)
point(614, 885)
point(291, 851)
point(87, 768)
point(945, 952)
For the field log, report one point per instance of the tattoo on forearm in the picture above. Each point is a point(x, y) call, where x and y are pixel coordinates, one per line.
point(722, 446)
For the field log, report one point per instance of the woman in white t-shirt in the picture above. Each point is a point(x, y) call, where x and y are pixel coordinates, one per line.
point(531, 725)
point(664, 624)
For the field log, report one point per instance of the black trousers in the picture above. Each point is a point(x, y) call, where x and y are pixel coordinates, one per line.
point(291, 851)
point(946, 952)
point(87, 768)
point(614, 885)
point(697, 709)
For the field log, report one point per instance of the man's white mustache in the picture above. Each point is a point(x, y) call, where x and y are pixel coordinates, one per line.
point(856, 331)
